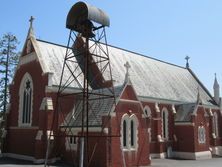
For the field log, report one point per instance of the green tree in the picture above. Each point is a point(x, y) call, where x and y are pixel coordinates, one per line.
point(8, 62)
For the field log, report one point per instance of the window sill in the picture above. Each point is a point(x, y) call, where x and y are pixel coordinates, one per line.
point(71, 148)
point(23, 127)
point(129, 149)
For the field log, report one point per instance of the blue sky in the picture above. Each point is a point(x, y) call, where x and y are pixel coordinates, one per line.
point(164, 29)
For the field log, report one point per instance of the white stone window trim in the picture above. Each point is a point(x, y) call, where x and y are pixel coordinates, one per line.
point(147, 112)
point(201, 135)
point(73, 140)
point(71, 145)
point(135, 131)
point(69, 141)
point(165, 123)
point(26, 77)
point(157, 107)
point(215, 125)
point(128, 118)
point(125, 117)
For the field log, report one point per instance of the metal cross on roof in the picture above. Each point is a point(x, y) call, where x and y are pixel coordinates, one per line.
point(187, 59)
point(31, 20)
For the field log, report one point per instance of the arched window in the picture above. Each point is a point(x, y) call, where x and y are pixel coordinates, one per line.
point(201, 135)
point(125, 131)
point(124, 134)
point(26, 109)
point(129, 132)
point(25, 101)
point(71, 142)
point(147, 111)
point(165, 123)
point(133, 131)
point(215, 124)
point(132, 142)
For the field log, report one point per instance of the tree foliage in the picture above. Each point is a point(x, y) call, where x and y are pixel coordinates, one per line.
point(8, 61)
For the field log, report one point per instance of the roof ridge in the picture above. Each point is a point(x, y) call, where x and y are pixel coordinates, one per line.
point(40, 40)
point(202, 85)
point(143, 55)
point(139, 54)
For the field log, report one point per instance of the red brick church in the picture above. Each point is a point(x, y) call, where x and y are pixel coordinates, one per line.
point(162, 110)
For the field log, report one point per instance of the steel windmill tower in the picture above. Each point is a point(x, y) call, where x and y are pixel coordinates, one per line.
point(86, 72)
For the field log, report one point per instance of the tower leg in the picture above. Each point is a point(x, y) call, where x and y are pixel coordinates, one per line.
point(81, 152)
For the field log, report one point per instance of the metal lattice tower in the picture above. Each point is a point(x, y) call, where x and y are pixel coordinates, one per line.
point(86, 78)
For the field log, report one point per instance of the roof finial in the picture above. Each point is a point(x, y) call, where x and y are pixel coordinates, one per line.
point(199, 101)
point(127, 66)
point(216, 90)
point(31, 31)
point(31, 21)
point(216, 84)
point(187, 59)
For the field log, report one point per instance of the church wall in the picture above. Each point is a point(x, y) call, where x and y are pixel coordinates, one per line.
point(186, 135)
point(21, 141)
point(72, 155)
point(127, 94)
point(66, 106)
point(155, 128)
point(201, 120)
point(158, 148)
point(25, 134)
point(218, 140)
point(39, 82)
point(96, 152)
point(140, 155)
point(191, 144)
point(215, 141)
point(185, 138)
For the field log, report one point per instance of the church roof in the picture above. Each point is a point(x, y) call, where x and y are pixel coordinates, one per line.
point(150, 77)
point(97, 108)
point(184, 112)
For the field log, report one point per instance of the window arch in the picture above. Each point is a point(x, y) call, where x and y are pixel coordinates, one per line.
point(25, 101)
point(147, 111)
point(133, 131)
point(124, 131)
point(215, 124)
point(165, 124)
point(129, 132)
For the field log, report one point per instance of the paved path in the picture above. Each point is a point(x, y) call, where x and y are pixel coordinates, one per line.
point(215, 162)
point(9, 162)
